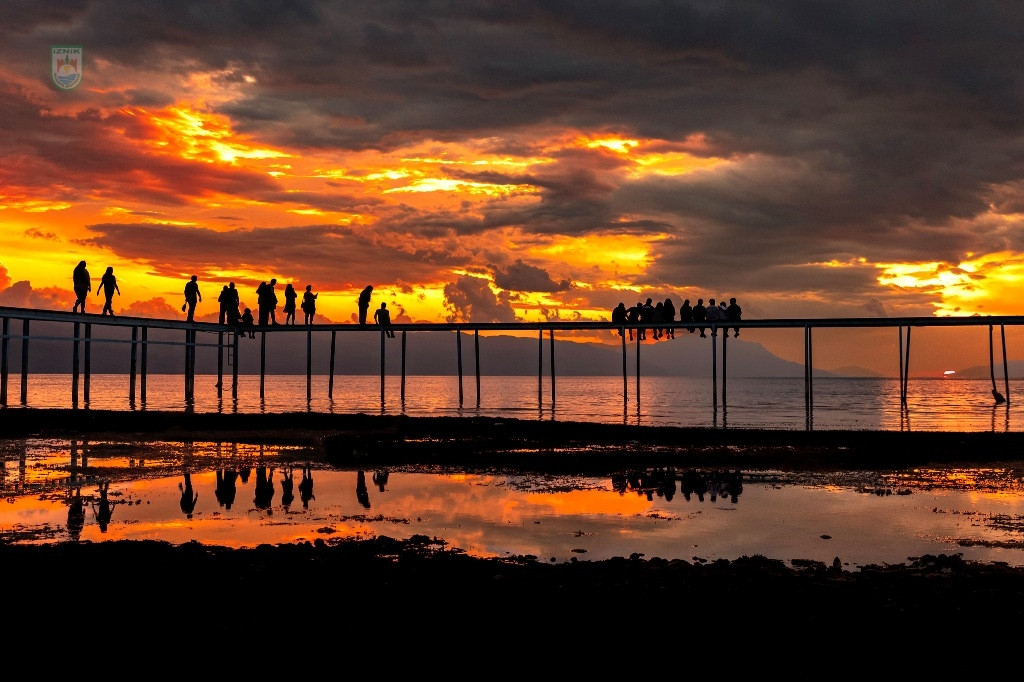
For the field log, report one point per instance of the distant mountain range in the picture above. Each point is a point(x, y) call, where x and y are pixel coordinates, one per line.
point(429, 353)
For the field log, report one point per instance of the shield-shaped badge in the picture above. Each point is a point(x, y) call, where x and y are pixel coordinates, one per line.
point(66, 66)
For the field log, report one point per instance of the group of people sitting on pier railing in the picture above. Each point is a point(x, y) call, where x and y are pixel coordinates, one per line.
point(651, 313)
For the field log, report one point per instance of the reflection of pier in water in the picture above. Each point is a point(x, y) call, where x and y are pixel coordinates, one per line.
point(188, 338)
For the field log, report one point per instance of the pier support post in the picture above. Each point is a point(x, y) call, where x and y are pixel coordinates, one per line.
point(133, 359)
point(476, 361)
point(144, 366)
point(458, 352)
point(3, 362)
point(24, 362)
point(330, 371)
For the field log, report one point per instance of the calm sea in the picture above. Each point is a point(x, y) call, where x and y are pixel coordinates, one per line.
point(771, 403)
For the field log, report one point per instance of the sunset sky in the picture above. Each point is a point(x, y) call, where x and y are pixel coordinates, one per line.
point(500, 161)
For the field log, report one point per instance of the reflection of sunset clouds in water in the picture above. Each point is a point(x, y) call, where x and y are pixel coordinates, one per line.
point(860, 517)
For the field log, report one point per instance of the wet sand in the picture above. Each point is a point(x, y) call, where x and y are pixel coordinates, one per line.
point(370, 581)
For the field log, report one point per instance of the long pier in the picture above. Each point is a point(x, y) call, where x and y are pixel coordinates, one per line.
point(185, 338)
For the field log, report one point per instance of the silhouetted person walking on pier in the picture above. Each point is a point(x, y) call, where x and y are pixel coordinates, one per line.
point(364, 303)
point(289, 304)
point(309, 303)
point(228, 300)
point(192, 298)
point(232, 304)
point(108, 283)
point(266, 302)
point(82, 284)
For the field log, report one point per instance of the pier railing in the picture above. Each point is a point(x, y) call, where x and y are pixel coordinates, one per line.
point(187, 337)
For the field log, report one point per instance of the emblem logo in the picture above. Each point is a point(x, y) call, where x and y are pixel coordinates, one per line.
point(66, 66)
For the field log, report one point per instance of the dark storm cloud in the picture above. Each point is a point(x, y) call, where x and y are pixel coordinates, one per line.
point(332, 257)
point(470, 299)
point(851, 130)
point(520, 276)
point(90, 152)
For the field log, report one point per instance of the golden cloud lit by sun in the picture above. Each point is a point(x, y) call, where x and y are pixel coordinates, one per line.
point(988, 284)
point(197, 135)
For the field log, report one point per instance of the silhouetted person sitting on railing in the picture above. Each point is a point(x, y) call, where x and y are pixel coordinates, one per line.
point(619, 317)
point(700, 314)
point(633, 317)
point(246, 324)
point(383, 318)
point(686, 313)
point(306, 486)
point(188, 497)
point(733, 313)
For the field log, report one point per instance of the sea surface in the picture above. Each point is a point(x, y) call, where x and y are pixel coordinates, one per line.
point(243, 495)
point(769, 403)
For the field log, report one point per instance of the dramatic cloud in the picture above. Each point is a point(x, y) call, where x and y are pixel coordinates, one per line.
point(527, 160)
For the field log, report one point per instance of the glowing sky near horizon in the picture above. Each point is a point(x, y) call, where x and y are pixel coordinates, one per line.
point(481, 161)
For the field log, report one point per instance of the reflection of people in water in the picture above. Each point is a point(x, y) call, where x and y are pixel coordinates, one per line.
point(380, 478)
point(76, 515)
point(226, 481)
point(306, 486)
point(717, 483)
point(188, 497)
point(286, 488)
point(264, 493)
point(362, 494)
point(102, 511)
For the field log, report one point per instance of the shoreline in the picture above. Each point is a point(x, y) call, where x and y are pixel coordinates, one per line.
point(358, 439)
